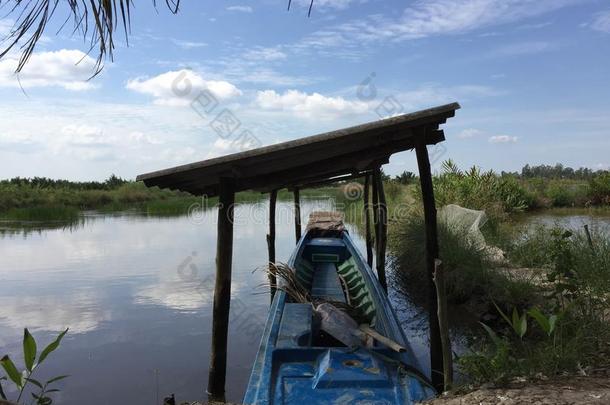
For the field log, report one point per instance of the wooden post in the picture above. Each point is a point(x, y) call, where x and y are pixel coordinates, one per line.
point(425, 179)
point(367, 221)
point(297, 214)
point(271, 240)
point(382, 227)
point(375, 211)
point(222, 290)
point(443, 322)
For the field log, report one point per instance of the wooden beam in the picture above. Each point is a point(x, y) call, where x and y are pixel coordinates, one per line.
point(382, 233)
point(355, 175)
point(271, 240)
point(297, 214)
point(436, 348)
point(222, 290)
point(367, 221)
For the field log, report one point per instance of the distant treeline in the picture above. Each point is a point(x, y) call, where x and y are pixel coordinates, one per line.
point(110, 183)
point(558, 171)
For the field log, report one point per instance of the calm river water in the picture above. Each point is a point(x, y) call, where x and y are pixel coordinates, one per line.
point(136, 293)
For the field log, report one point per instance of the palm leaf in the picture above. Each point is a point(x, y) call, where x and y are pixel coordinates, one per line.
point(96, 20)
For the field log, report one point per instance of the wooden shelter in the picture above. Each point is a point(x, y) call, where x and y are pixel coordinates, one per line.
point(358, 151)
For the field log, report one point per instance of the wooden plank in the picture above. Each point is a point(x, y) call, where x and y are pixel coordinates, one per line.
point(222, 291)
point(436, 348)
point(382, 225)
point(297, 214)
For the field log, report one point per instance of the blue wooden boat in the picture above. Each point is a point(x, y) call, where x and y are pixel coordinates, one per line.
point(298, 363)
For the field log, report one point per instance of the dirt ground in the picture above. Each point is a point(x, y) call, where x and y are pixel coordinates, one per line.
point(563, 391)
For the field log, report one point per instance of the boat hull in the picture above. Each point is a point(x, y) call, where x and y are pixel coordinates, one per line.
point(294, 365)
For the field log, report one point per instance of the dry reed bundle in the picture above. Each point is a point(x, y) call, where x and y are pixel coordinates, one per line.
point(287, 281)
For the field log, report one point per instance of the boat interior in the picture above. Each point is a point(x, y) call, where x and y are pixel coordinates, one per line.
point(330, 271)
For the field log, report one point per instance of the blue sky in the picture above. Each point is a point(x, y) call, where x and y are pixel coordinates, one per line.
point(532, 76)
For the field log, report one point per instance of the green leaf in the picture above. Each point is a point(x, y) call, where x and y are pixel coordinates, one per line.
point(541, 319)
point(494, 337)
point(552, 323)
point(522, 325)
point(51, 347)
point(45, 401)
point(503, 314)
point(54, 379)
point(29, 349)
point(35, 382)
point(11, 371)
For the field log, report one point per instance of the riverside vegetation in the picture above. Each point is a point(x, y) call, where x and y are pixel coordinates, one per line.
point(544, 305)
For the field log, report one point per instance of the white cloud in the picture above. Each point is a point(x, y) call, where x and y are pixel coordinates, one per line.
point(67, 68)
point(427, 18)
point(309, 105)
point(179, 88)
point(265, 54)
point(327, 4)
point(502, 139)
point(469, 133)
point(240, 9)
point(5, 27)
point(601, 22)
point(524, 48)
point(188, 44)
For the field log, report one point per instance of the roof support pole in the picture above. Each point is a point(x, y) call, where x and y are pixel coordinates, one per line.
point(271, 241)
point(382, 225)
point(297, 214)
point(375, 206)
point(425, 179)
point(222, 290)
point(367, 221)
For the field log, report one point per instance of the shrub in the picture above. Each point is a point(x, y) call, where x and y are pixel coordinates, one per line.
point(599, 189)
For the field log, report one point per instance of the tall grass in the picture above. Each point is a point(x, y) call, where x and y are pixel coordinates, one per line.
point(43, 213)
point(471, 276)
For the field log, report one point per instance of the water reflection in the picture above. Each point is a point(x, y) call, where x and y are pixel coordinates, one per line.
point(136, 292)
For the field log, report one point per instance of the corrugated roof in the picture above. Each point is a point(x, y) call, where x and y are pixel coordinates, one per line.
point(345, 151)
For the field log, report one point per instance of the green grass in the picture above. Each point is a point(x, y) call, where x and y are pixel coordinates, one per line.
point(577, 273)
point(42, 213)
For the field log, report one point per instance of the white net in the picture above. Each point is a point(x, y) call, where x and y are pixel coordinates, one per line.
point(465, 221)
point(468, 222)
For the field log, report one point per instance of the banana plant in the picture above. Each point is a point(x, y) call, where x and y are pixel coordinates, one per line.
point(23, 378)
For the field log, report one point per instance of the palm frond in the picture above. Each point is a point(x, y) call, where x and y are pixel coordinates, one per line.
point(95, 20)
